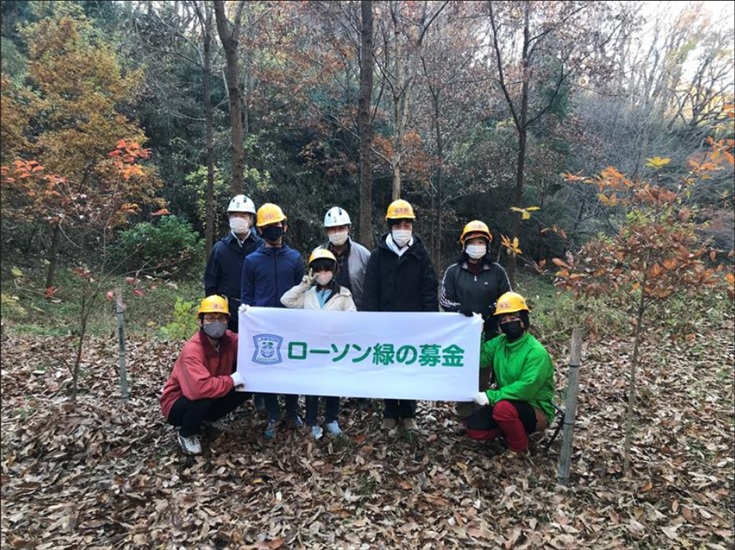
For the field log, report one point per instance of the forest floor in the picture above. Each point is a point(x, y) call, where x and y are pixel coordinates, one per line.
point(106, 473)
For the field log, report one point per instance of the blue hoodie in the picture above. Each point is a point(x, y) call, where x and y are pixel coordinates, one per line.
point(268, 273)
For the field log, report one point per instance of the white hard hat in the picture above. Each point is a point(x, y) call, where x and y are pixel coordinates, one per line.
point(336, 216)
point(241, 203)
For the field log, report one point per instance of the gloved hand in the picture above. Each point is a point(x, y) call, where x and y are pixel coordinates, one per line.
point(237, 379)
point(243, 308)
point(464, 310)
point(307, 280)
point(481, 399)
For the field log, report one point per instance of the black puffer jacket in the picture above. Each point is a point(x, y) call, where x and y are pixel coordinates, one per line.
point(224, 270)
point(461, 289)
point(400, 283)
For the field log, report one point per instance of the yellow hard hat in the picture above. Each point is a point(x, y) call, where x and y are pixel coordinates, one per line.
point(321, 254)
point(400, 210)
point(475, 226)
point(214, 304)
point(510, 302)
point(269, 213)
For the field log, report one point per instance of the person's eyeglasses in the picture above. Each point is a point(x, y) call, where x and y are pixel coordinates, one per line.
point(214, 317)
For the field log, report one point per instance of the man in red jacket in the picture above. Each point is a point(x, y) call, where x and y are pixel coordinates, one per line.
point(203, 384)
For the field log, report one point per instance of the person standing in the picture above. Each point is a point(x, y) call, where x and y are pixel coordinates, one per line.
point(267, 274)
point(202, 385)
point(223, 274)
point(521, 400)
point(473, 284)
point(352, 259)
point(321, 291)
point(400, 277)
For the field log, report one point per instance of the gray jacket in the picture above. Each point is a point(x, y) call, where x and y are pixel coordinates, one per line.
point(357, 257)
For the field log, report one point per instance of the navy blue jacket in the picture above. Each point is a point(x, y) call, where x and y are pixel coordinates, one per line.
point(223, 274)
point(405, 283)
point(268, 273)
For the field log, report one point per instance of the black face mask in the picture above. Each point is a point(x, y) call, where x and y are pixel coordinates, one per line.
point(272, 233)
point(513, 330)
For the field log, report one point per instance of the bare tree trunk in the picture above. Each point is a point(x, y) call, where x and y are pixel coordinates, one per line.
point(365, 124)
point(122, 369)
point(83, 318)
point(398, 93)
point(570, 415)
point(229, 34)
point(522, 140)
point(631, 386)
point(520, 118)
point(405, 62)
point(439, 183)
point(207, 77)
point(53, 255)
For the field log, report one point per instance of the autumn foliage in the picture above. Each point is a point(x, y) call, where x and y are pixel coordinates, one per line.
point(103, 202)
point(657, 252)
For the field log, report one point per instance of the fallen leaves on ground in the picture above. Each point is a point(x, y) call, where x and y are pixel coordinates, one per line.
point(107, 473)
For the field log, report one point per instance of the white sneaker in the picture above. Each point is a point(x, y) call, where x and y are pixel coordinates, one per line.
point(388, 424)
point(410, 424)
point(333, 428)
point(190, 445)
point(316, 432)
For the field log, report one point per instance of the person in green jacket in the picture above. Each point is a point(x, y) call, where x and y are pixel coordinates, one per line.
point(520, 401)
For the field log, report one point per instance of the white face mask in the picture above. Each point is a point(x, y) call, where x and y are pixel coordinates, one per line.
point(339, 238)
point(239, 226)
point(323, 278)
point(401, 237)
point(476, 251)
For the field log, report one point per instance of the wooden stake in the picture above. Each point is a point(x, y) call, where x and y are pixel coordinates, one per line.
point(120, 312)
point(570, 415)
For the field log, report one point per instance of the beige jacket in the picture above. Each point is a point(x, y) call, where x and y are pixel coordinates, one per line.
point(303, 296)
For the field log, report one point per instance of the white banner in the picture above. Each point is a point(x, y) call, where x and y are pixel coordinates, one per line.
point(432, 356)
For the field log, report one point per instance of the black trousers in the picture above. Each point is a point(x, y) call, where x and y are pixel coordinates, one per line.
point(399, 409)
point(189, 414)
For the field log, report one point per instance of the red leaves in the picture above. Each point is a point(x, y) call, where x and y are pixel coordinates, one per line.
point(50, 292)
point(161, 212)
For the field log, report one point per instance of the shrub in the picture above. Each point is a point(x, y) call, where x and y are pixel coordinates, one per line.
point(11, 307)
point(184, 323)
point(169, 248)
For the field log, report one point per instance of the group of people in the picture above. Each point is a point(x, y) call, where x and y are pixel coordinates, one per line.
point(254, 266)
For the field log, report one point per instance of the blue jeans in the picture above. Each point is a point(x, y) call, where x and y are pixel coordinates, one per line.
point(273, 408)
point(331, 409)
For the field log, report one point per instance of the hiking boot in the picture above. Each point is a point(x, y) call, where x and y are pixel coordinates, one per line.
point(190, 445)
point(410, 424)
point(333, 428)
point(389, 424)
point(270, 429)
point(316, 432)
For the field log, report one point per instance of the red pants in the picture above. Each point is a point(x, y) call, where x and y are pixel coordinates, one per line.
point(512, 419)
